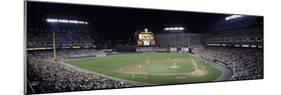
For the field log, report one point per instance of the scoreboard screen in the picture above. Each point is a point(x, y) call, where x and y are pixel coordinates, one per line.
point(146, 42)
point(145, 39)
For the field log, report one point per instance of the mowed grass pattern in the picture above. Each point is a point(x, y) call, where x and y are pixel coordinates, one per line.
point(163, 66)
point(110, 65)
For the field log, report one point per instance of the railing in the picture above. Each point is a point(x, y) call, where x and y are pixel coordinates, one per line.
point(29, 86)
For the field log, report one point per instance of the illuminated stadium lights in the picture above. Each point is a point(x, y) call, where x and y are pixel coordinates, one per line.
point(168, 28)
point(63, 20)
point(173, 28)
point(233, 17)
point(145, 30)
point(51, 20)
point(73, 21)
point(181, 28)
point(81, 22)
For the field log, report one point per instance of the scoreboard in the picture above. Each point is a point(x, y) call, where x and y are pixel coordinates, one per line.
point(145, 38)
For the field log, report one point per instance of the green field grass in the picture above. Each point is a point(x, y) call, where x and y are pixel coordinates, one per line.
point(110, 65)
point(163, 67)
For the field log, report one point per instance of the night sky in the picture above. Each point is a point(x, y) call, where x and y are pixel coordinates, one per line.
point(117, 23)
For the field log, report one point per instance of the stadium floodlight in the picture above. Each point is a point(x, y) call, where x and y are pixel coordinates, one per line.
point(75, 21)
point(181, 28)
point(63, 21)
point(174, 28)
point(170, 28)
point(233, 17)
point(79, 22)
point(71, 21)
point(145, 30)
point(52, 20)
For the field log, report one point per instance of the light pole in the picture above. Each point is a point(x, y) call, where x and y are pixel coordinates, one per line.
point(62, 21)
point(54, 45)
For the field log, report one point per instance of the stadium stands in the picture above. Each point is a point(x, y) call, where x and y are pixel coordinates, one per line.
point(245, 63)
point(245, 30)
point(64, 38)
point(45, 75)
point(247, 35)
point(48, 76)
point(166, 40)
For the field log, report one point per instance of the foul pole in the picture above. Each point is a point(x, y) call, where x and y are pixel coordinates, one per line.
point(54, 45)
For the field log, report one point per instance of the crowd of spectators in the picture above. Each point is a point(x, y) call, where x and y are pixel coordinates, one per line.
point(244, 30)
point(245, 63)
point(45, 75)
point(63, 38)
point(244, 35)
point(172, 40)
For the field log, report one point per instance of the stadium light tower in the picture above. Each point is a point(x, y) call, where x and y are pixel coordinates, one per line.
point(174, 28)
point(233, 17)
point(54, 20)
point(61, 21)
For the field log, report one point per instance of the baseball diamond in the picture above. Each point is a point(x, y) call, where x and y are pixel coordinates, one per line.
point(154, 68)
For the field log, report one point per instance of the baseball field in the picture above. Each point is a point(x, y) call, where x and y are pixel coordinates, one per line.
point(152, 68)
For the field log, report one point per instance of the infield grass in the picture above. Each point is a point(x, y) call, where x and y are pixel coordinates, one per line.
point(159, 64)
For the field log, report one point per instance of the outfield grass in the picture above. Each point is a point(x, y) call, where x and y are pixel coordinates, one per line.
point(110, 65)
point(162, 66)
